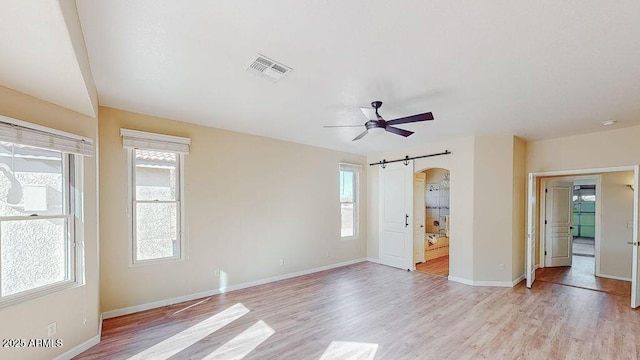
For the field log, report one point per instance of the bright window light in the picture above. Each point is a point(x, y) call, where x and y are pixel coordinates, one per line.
point(241, 345)
point(349, 177)
point(192, 335)
point(156, 205)
point(36, 222)
point(345, 350)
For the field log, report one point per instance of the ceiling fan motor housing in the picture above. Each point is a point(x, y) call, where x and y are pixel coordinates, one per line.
point(372, 124)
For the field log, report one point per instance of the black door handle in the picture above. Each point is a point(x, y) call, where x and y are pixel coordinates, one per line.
point(406, 220)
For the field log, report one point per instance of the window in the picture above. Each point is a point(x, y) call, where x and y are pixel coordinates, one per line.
point(349, 200)
point(38, 238)
point(156, 205)
point(155, 195)
point(584, 211)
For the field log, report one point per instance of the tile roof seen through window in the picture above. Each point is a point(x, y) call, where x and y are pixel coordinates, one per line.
point(152, 158)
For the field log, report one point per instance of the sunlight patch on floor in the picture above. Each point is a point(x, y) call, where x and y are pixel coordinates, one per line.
point(345, 350)
point(182, 340)
point(241, 345)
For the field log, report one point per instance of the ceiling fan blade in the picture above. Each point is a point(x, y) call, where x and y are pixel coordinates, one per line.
point(398, 131)
point(361, 135)
point(412, 118)
point(339, 126)
point(369, 113)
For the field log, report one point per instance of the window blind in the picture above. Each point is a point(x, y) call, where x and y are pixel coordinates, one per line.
point(45, 138)
point(151, 141)
point(351, 167)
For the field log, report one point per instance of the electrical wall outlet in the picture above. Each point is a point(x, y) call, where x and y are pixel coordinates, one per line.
point(281, 261)
point(629, 224)
point(501, 267)
point(51, 329)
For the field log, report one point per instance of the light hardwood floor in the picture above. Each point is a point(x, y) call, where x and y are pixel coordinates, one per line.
point(437, 266)
point(582, 274)
point(407, 315)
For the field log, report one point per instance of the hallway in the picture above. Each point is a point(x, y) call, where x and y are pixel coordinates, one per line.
point(584, 247)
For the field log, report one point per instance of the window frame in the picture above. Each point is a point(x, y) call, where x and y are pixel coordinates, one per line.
point(355, 170)
point(179, 248)
point(74, 277)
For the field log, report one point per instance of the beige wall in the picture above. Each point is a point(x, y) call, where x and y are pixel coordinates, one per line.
point(493, 205)
point(69, 308)
point(596, 150)
point(249, 202)
point(617, 211)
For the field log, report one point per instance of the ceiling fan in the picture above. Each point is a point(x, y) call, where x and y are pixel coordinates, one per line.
point(377, 122)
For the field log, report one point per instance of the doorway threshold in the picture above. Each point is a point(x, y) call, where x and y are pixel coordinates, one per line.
point(581, 275)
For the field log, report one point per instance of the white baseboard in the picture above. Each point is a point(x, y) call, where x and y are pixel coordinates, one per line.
point(377, 261)
point(82, 347)
point(517, 280)
point(474, 283)
point(179, 299)
point(460, 280)
point(493, 283)
point(614, 277)
point(486, 283)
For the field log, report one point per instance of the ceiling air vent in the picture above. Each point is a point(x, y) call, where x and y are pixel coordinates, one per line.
point(267, 68)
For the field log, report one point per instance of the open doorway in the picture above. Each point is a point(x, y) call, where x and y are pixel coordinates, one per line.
point(431, 206)
point(584, 225)
point(601, 227)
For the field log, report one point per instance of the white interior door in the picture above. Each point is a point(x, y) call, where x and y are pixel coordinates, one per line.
point(396, 215)
point(530, 271)
point(418, 219)
point(635, 270)
point(558, 219)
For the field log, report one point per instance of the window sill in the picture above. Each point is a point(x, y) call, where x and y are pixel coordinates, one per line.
point(29, 295)
point(155, 261)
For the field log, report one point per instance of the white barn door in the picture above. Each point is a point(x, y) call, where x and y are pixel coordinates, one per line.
point(396, 215)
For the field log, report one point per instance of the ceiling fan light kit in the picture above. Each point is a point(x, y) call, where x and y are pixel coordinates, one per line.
point(376, 124)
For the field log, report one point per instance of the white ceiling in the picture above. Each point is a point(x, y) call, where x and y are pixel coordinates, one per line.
point(37, 56)
point(536, 69)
